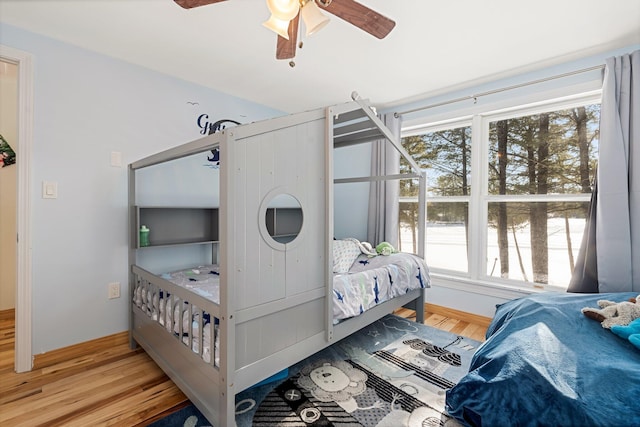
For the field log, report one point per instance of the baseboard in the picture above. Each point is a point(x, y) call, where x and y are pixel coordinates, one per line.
point(83, 348)
point(457, 314)
point(65, 353)
point(8, 314)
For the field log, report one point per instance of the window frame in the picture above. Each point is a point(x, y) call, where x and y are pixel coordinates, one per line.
point(479, 198)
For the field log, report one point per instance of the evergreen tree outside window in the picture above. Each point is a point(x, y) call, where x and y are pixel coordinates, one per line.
point(446, 156)
point(528, 200)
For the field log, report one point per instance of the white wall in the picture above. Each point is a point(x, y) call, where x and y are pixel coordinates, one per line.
point(86, 106)
point(351, 200)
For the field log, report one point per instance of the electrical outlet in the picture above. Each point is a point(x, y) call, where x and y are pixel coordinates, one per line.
point(114, 290)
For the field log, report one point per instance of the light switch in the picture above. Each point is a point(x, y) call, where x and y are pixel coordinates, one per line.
point(116, 159)
point(49, 190)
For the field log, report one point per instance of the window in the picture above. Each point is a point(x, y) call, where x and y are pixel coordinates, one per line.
point(446, 154)
point(508, 193)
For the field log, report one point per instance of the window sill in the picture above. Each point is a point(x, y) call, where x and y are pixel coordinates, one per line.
point(498, 290)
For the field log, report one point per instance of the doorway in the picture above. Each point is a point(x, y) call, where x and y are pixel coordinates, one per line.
point(8, 183)
point(21, 234)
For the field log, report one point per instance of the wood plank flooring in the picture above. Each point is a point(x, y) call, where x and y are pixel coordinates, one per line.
point(103, 382)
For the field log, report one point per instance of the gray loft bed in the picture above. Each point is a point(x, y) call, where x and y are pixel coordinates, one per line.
point(256, 332)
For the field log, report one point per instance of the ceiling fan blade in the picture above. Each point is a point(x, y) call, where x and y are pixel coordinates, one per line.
point(286, 49)
point(361, 16)
point(189, 4)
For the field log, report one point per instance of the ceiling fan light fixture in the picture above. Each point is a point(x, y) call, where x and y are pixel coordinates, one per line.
point(284, 10)
point(313, 18)
point(278, 26)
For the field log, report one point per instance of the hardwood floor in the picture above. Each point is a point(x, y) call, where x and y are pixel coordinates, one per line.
point(98, 383)
point(454, 321)
point(103, 382)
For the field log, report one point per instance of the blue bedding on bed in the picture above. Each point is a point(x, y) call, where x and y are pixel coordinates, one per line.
point(545, 364)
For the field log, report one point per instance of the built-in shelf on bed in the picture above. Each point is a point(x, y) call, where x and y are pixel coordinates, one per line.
point(178, 225)
point(198, 225)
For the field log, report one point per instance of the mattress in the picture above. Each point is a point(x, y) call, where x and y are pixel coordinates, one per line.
point(203, 280)
point(369, 281)
point(374, 280)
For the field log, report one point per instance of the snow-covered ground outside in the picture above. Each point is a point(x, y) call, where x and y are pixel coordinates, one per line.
point(446, 249)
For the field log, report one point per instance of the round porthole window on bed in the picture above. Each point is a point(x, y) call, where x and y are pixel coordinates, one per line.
point(282, 220)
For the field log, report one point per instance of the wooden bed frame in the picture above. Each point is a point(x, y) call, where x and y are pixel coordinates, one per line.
point(261, 333)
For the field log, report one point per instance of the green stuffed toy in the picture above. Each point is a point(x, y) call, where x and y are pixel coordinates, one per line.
point(630, 332)
point(385, 248)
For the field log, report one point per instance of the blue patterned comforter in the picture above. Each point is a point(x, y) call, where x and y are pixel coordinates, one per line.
point(545, 364)
point(371, 281)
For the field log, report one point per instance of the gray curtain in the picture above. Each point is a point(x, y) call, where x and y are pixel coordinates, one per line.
point(585, 273)
point(382, 224)
point(617, 206)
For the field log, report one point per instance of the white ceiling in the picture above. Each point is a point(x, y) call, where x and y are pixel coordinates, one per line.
point(435, 46)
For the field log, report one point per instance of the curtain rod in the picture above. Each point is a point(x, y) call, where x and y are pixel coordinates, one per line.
point(504, 89)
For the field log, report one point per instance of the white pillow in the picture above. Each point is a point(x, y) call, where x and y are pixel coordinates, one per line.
point(345, 253)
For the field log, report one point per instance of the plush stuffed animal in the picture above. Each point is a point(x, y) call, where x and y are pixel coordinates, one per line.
point(630, 332)
point(385, 248)
point(612, 313)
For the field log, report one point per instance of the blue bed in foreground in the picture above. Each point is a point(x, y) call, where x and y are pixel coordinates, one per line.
point(545, 364)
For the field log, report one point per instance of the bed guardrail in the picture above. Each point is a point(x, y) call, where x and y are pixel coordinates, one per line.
point(189, 318)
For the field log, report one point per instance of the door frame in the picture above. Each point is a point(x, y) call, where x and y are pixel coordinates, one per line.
point(23, 360)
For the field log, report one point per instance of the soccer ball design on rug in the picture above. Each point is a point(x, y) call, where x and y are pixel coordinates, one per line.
point(361, 382)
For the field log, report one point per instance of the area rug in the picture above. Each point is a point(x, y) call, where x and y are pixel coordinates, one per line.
point(392, 373)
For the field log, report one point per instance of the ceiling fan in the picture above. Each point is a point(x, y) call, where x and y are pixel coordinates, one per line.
point(285, 17)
